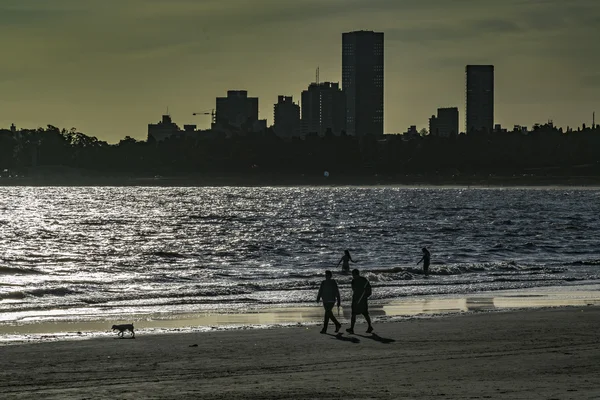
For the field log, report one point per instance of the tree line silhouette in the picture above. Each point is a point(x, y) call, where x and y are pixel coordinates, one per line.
point(546, 148)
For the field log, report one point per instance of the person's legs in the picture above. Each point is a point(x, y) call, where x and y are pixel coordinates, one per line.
point(332, 317)
point(352, 319)
point(326, 316)
point(352, 322)
point(368, 318)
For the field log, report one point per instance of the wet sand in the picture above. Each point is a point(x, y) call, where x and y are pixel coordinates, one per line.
point(58, 325)
point(532, 354)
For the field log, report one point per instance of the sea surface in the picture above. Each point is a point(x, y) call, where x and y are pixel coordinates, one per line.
point(93, 253)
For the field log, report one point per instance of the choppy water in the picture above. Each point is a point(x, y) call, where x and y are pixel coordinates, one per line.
point(87, 253)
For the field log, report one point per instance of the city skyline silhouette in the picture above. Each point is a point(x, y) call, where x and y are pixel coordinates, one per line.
point(67, 69)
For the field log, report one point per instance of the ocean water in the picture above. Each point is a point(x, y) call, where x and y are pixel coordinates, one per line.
point(93, 253)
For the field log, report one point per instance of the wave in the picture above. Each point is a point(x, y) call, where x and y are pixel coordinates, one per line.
point(24, 294)
point(586, 262)
point(12, 296)
point(459, 269)
point(59, 292)
point(191, 295)
point(18, 271)
point(168, 254)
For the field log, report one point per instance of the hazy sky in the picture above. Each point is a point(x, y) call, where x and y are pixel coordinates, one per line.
point(110, 67)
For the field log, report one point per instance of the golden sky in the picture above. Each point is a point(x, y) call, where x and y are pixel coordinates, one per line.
point(110, 67)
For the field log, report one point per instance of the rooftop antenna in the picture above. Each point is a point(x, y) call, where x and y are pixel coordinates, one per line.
point(594, 120)
point(317, 75)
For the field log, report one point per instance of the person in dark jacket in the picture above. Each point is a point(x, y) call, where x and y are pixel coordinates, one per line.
point(330, 293)
point(361, 290)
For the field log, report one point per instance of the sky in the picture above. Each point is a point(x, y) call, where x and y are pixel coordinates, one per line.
point(110, 67)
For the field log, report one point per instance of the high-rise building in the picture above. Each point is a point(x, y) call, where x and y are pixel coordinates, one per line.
point(480, 98)
point(446, 122)
point(237, 111)
point(323, 108)
point(362, 82)
point(286, 117)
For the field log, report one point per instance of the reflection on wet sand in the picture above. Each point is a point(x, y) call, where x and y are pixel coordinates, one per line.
point(480, 304)
point(424, 306)
point(544, 297)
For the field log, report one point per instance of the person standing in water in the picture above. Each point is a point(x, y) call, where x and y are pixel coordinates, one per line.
point(361, 290)
point(426, 260)
point(346, 261)
point(330, 293)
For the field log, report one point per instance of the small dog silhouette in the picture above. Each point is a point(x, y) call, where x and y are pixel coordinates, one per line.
point(122, 328)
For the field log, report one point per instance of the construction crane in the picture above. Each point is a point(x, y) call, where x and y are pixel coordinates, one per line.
point(212, 114)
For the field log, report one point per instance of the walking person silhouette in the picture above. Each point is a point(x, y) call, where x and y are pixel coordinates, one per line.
point(330, 293)
point(361, 290)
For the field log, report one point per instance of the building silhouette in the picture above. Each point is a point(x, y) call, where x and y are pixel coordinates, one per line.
point(163, 129)
point(445, 124)
point(411, 132)
point(286, 117)
point(238, 113)
point(479, 98)
point(323, 109)
point(362, 81)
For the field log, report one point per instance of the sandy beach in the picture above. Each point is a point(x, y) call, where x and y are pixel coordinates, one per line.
point(532, 354)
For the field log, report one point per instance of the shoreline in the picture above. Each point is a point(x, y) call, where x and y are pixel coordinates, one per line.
point(300, 180)
point(421, 307)
point(533, 354)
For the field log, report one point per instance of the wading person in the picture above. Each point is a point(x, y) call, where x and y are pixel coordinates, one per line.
point(345, 260)
point(361, 290)
point(426, 260)
point(330, 294)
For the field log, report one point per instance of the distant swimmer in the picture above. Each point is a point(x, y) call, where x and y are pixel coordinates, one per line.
point(330, 293)
point(426, 260)
point(361, 290)
point(346, 261)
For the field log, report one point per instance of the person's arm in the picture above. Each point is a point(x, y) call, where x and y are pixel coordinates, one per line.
point(337, 294)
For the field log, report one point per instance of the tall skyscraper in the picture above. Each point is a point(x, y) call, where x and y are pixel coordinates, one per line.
point(362, 81)
point(323, 108)
point(480, 98)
